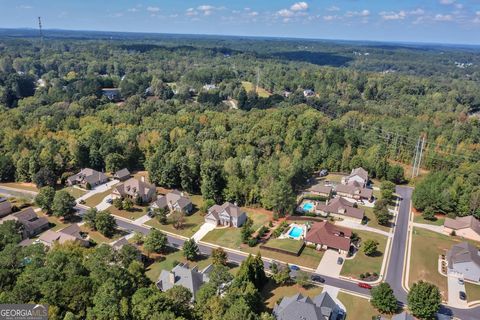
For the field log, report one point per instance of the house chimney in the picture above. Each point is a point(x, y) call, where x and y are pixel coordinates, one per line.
point(142, 179)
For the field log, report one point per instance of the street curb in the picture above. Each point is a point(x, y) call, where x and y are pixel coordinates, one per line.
point(406, 266)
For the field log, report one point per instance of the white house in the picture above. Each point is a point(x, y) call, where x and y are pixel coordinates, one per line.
point(464, 260)
point(226, 215)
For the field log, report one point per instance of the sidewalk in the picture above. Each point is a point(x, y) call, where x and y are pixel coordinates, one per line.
point(359, 226)
point(438, 229)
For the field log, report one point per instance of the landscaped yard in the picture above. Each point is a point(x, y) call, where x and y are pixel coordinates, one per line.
point(20, 185)
point(273, 293)
point(357, 308)
point(362, 263)
point(136, 212)
point(56, 222)
point(190, 226)
point(75, 192)
point(289, 245)
point(98, 238)
point(472, 291)
point(97, 198)
point(419, 219)
point(426, 247)
point(308, 258)
point(333, 177)
point(372, 220)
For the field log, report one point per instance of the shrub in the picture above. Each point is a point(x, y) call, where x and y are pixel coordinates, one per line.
point(453, 233)
point(362, 276)
point(252, 242)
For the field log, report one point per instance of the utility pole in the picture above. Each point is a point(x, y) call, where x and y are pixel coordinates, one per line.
point(258, 79)
point(40, 28)
point(418, 156)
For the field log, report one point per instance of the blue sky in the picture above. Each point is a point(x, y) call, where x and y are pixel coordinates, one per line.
point(442, 21)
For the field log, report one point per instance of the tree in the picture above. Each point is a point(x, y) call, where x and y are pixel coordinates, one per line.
point(429, 214)
point(10, 233)
point(252, 270)
point(7, 169)
point(127, 204)
point(213, 182)
point(219, 256)
point(45, 177)
point(388, 189)
point(282, 275)
point(190, 250)
point(370, 247)
point(246, 231)
point(90, 218)
point(138, 237)
point(279, 197)
point(155, 241)
point(161, 214)
point(44, 198)
point(118, 203)
point(105, 223)
point(114, 162)
point(127, 254)
point(424, 300)
point(383, 298)
point(178, 218)
point(381, 212)
point(63, 204)
point(302, 278)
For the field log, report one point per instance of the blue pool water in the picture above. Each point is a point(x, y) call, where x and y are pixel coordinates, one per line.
point(295, 232)
point(308, 206)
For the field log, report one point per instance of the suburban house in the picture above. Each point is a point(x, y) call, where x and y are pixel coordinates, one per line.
point(467, 227)
point(182, 275)
point(122, 174)
point(298, 307)
point(325, 235)
point(358, 175)
point(175, 201)
point(32, 224)
point(136, 190)
point(112, 94)
point(226, 215)
point(87, 177)
point(70, 233)
point(403, 316)
point(320, 190)
point(5, 208)
point(209, 87)
point(464, 260)
point(340, 208)
point(354, 190)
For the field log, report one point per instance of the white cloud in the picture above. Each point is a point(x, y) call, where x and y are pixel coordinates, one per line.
point(447, 2)
point(285, 13)
point(363, 13)
point(477, 17)
point(253, 14)
point(26, 7)
point(133, 10)
point(329, 18)
point(417, 12)
point(443, 17)
point(299, 6)
point(153, 9)
point(207, 9)
point(333, 8)
point(391, 15)
point(191, 12)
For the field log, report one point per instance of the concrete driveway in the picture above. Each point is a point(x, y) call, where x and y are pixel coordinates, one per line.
point(453, 292)
point(202, 232)
point(98, 189)
point(104, 205)
point(328, 265)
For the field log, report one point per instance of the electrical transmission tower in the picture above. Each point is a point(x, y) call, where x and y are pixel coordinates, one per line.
point(417, 160)
point(40, 28)
point(258, 80)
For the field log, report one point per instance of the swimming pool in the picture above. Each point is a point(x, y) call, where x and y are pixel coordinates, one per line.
point(295, 232)
point(307, 206)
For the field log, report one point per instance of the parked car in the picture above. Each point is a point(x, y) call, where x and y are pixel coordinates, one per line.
point(339, 260)
point(462, 295)
point(460, 281)
point(110, 200)
point(340, 315)
point(323, 172)
point(317, 279)
point(294, 267)
point(364, 285)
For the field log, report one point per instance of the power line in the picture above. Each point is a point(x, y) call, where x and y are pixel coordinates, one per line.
point(40, 28)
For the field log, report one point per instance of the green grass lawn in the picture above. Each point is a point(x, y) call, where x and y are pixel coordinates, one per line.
point(419, 219)
point(472, 291)
point(20, 185)
point(289, 245)
point(273, 293)
point(95, 200)
point(75, 192)
point(262, 93)
point(426, 247)
point(357, 308)
point(362, 263)
point(308, 258)
point(372, 220)
point(191, 225)
point(56, 223)
point(333, 177)
point(98, 238)
point(137, 212)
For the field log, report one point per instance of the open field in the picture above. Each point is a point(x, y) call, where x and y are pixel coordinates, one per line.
point(362, 263)
point(191, 225)
point(357, 308)
point(426, 247)
point(75, 192)
point(273, 293)
point(419, 219)
point(248, 86)
point(20, 185)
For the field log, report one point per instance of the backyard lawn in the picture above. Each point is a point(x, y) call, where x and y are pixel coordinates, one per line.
point(419, 219)
point(357, 308)
point(472, 291)
point(289, 245)
point(20, 185)
point(273, 293)
point(191, 225)
point(98, 238)
point(308, 258)
point(362, 263)
point(134, 214)
point(75, 192)
point(332, 177)
point(97, 198)
point(57, 224)
point(372, 220)
point(426, 247)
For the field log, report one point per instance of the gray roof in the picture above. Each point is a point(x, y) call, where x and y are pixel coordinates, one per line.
point(134, 188)
point(341, 206)
point(231, 209)
point(88, 175)
point(463, 223)
point(123, 173)
point(362, 173)
point(320, 188)
point(298, 307)
point(173, 197)
point(182, 275)
point(463, 252)
point(403, 316)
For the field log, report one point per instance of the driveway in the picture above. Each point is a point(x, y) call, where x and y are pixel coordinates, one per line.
point(453, 292)
point(328, 265)
point(355, 225)
point(202, 232)
point(98, 189)
point(438, 229)
point(104, 205)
